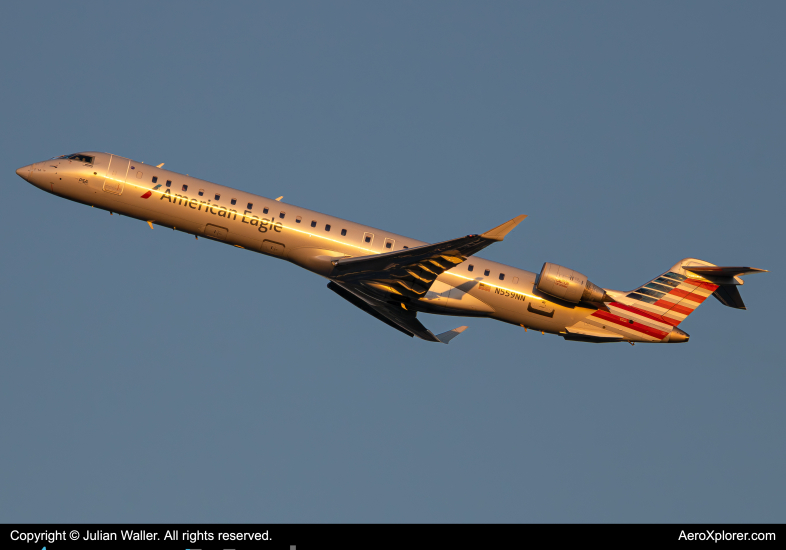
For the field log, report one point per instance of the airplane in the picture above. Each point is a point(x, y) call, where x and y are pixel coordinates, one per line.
point(390, 276)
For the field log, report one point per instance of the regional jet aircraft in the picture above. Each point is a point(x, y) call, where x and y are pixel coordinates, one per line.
point(389, 276)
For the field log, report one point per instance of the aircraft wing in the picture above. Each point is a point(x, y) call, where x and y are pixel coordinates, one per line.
point(393, 315)
point(411, 272)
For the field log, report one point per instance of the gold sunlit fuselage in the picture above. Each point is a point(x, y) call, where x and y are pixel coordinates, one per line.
point(309, 239)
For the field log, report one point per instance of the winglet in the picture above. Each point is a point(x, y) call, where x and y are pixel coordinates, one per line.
point(446, 337)
point(499, 232)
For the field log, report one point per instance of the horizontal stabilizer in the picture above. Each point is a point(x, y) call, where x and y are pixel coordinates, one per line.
point(722, 275)
point(721, 271)
point(727, 278)
point(446, 337)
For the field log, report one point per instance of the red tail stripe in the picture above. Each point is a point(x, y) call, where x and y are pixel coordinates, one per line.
point(692, 296)
point(701, 284)
point(643, 313)
point(671, 306)
point(638, 327)
point(696, 298)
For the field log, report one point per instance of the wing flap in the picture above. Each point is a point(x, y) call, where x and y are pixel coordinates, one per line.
point(394, 316)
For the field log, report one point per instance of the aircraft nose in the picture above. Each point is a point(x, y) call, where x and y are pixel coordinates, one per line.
point(23, 172)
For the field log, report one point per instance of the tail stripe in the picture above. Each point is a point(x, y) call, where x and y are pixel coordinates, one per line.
point(701, 284)
point(675, 276)
point(672, 307)
point(642, 313)
point(661, 288)
point(653, 293)
point(642, 298)
point(698, 298)
point(680, 293)
point(657, 311)
point(631, 324)
point(664, 281)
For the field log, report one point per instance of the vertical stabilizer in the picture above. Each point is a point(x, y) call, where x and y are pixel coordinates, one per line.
point(674, 295)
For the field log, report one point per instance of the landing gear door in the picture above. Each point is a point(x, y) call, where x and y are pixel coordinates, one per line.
point(116, 175)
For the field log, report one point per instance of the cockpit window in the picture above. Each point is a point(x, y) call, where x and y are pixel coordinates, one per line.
point(79, 158)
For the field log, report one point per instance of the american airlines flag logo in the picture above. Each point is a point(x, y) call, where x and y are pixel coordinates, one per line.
point(147, 195)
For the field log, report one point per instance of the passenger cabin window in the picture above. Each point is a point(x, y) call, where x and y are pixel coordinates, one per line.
point(218, 196)
point(470, 267)
point(264, 210)
point(367, 238)
point(201, 192)
point(282, 214)
point(388, 244)
point(343, 232)
point(501, 276)
point(327, 227)
point(155, 179)
point(185, 187)
point(406, 247)
point(314, 223)
point(298, 219)
point(250, 205)
point(487, 273)
point(169, 183)
point(233, 202)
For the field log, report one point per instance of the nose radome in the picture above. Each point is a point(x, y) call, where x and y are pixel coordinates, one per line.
point(23, 172)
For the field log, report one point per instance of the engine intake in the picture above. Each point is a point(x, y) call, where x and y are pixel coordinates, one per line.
point(569, 285)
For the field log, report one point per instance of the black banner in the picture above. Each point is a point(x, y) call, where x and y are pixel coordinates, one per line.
point(311, 536)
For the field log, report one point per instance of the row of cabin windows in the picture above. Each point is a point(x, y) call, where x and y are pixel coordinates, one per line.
point(487, 272)
point(281, 215)
point(202, 193)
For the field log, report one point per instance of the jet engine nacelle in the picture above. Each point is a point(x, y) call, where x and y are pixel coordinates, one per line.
point(568, 285)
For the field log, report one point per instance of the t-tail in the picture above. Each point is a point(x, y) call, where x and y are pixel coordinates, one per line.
point(652, 312)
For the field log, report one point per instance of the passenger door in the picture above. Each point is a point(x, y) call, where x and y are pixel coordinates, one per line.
point(116, 175)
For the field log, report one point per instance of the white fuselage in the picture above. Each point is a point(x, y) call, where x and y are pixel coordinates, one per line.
point(476, 287)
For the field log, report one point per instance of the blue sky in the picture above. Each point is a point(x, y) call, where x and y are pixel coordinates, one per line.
point(151, 377)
